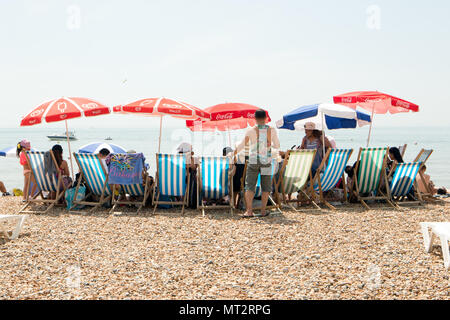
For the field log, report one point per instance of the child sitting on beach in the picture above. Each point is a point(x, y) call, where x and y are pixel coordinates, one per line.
point(427, 186)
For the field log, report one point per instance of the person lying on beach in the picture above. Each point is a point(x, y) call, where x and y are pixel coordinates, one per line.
point(260, 139)
point(23, 146)
point(426, 185)
point(3, 189)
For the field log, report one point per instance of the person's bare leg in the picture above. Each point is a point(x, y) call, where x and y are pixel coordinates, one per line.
point(249, 195)
point(264, 198)
point(26, 177)
point(2, 187)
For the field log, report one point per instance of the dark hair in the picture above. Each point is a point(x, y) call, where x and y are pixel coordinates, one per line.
point(18, 149)
point(57, 152)
point(104, 152)
point(396, 153)
point(226, 151)
point(317, 133)
point(260, 114)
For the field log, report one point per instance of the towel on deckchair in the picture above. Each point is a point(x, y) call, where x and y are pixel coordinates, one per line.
point(126, 168)
point(49, 164)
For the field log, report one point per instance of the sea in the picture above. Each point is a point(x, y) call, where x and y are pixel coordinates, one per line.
point(211, 143)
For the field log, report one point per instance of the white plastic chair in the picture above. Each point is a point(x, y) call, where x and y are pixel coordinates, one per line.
point(20, 219)
point(442, 230)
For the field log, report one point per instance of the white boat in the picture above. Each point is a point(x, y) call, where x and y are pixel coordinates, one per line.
point(108, 138)
point(61, 137)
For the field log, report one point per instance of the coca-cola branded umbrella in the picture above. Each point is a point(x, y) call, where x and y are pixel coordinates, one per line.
point(160, 107)
point(63, 109)
point(226, 117)
point(375, 102)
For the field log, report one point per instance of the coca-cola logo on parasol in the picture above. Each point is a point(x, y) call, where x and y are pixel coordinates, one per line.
point(37, 112)
point(346, 99)
point(145, 102)
point(174, 106)
point(137, 109)
point(90, 105)
point(250, 115)
point(63, 116)
point(61, 106)
point(224, 116)
point(402, 104)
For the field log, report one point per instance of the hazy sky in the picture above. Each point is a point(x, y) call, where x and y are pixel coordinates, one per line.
point(275, 54)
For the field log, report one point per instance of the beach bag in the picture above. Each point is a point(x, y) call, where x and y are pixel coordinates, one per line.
point(70, 194)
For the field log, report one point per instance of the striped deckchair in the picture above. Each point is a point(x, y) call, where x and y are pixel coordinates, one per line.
point(369, 172)
point(96, 178)
point(258, 190)
point(422, 157)
point(333, 164)
point(403, 179)
point(215, 181)
point(295, 173)
point(171, 179)
point(44, 182)
point(133, 191)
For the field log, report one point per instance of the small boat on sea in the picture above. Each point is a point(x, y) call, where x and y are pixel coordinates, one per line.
point(63, 136)
point(108, 138)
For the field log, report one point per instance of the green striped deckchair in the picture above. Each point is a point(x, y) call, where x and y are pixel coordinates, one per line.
point(370, 172)
point(133, 191)
point(172, 180)
point(95, 176)
point(295, 173)
point(215, 181)
point(45, 182)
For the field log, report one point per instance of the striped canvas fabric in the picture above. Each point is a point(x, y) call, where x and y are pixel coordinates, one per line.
point(133, 189)
point(424, 155)
point(215, 180)
point(403, 178)
point(297, 170)
point(44, 182)
point(273, 170)
point(171, 174)
point(337, 161)
point(370, 165)
point(95, 177)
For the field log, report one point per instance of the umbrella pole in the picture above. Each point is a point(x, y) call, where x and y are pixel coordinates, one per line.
point(323, 135)
point(160, 130)
point(70, 151)
point(229, 135)
point(370, 128)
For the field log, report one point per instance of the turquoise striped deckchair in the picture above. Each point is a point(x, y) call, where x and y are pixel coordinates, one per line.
point(333, 164)
point(215, 181)
point(133, 191)
point(369, 172)
point(403, 180)
point(96, 178)
point(295, 173)
point(44, 182)
point(171, 179)
point(258, 190)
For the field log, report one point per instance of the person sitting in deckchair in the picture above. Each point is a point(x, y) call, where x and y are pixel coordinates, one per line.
point(426, 184)
point(260, 138)
point(63, 168)
point(102, 155)
point(313, 140)
point(3, 189)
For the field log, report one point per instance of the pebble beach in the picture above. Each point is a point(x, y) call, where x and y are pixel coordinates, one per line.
point(346, 254)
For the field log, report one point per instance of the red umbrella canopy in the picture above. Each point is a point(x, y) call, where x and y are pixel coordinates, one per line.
point(161, 107)
point(378, 101)
point(227, 116)
point(63, 109)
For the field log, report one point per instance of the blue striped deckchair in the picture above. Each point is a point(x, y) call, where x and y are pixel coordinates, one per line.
point(370, 175)
point(44, 182)
point(333, 165)
point(403, 180)
point(258, 191)
point(133, 190)
point(295, 173)
point(171, 180)
point(215, 181)
point(96, 178)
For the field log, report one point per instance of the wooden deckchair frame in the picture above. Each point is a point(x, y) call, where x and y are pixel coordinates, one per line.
point(148, 186)
point(398, 200)
point(383, 178)
point(103, 197)
point(59, 193)
point(402, 149)
point(156, 195)
point(302, 190)
point(319, 181)
point(230, 206)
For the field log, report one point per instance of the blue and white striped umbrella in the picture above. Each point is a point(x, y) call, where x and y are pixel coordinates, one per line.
point(330, 116)
point(10, 152)
point(95, 147)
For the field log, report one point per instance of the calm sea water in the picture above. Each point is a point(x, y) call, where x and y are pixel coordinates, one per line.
point(146, 141)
